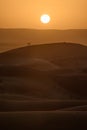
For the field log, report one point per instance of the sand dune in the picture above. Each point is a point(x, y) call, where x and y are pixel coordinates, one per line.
point(44, 71)
point(38, 64)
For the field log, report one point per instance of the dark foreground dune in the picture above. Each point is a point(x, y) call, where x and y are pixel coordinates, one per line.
point(76, 108)
point(53, 120)
point(44, 88)
point(42, 105)
point(43, 115)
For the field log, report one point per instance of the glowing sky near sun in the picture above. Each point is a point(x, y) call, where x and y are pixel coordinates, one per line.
point(65, 14)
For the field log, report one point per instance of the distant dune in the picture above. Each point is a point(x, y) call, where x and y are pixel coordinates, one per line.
point(13, 38)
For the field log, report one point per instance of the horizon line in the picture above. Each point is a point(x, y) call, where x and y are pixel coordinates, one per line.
point(13, 28)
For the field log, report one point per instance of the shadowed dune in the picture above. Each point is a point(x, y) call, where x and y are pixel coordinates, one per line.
point(60, 54)
point(44, 88)
point(42, 105)
point(76, 108)
point(43, 120)
point(45, 71)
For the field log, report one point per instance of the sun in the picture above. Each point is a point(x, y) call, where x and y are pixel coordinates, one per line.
point(45, 18)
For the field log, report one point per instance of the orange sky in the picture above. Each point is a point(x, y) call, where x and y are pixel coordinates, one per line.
point(65, 14)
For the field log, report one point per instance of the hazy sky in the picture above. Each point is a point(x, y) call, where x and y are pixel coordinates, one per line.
point(65, 14)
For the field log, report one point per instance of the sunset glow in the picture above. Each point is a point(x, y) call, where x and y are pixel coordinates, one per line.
point(66, 14)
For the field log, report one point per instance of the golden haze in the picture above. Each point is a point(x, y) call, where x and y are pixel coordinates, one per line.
point(65, 14)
